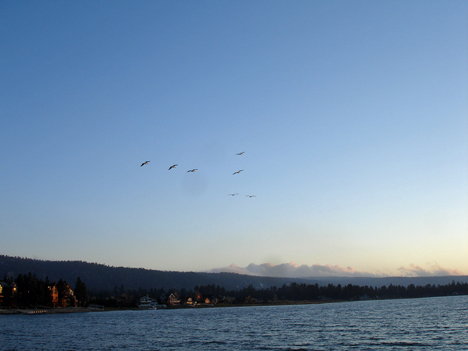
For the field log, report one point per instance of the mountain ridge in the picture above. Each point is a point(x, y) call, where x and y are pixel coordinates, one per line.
point(100, 277)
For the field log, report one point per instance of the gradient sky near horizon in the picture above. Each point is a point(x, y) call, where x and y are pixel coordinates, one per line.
point(353, 116)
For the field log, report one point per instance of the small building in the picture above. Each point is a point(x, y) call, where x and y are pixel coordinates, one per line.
point(68, 297)
point(53, 291)
point(199, 298)
point(146, 302)
point(1, 293)
point(211, 300)
point(172, 300)
point(8, 294)
point(162, 299)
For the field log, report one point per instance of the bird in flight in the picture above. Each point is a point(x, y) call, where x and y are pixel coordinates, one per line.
point(192, 170)
point(250, 195)
point(233, 194)
point(144, 163)
point(173, 166)
point(238, 171)
point(240, 153)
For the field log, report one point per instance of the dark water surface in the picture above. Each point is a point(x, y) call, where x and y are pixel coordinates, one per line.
point(414, 324)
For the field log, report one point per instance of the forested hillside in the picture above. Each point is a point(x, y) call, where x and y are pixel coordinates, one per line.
point(99, 277)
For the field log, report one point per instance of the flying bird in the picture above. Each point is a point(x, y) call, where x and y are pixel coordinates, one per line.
point(144, 163)
point(173, 166)
point(192, 170)
point(240, 153)
point(238, 171)
point(250, 195)
point(233, 194)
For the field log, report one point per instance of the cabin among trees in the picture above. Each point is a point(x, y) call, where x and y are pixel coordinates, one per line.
point(28, 291)
point(7, 293)
point(173, 299)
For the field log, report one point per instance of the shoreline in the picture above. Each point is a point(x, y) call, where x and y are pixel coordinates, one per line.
point(36, 311)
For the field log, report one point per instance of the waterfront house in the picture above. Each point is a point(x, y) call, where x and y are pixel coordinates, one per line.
point(162, 299)
point(68, 298)
point(8, 294)
point(199, 298)
point(211, 300)
point(1, 293)
point(146, 302)
point(53, 291)
point(173, 300)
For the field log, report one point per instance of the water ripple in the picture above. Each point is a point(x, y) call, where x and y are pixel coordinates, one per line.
point(418, 324)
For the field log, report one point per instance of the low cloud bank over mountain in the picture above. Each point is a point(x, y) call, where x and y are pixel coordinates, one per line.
point(293, 270)
point(434, 270)
point(290, 270)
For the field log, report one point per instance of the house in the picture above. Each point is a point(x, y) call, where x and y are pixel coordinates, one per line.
point(199, 298)
point(211, 300)
point(146, 302)
point(162, 299)
point(68, 298)
point(8, 294)
point(53, 291)
point(173, 300)
point(1, 293)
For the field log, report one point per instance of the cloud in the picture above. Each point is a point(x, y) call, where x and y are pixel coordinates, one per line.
point(434, 270)
point(293, 270)
point(231, 269)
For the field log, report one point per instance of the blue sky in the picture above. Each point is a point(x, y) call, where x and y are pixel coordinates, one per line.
point(352, 116)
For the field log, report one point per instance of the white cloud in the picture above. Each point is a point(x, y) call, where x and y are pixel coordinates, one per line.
point(293, 270)
point(434, 270)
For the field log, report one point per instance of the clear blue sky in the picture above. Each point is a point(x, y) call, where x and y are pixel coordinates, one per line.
point(353, 117)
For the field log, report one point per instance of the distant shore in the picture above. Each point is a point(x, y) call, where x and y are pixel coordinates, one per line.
point(44, 310)
point(33, 311)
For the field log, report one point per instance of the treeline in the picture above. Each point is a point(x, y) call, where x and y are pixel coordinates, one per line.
point(29, 291)
point(313, 292)
point(120, 297)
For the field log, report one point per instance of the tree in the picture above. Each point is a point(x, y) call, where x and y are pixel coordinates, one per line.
point(81, 293)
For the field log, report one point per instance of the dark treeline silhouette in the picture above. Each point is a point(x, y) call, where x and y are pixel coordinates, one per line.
point(29, 291)
point(314, 292)
point(120, 297)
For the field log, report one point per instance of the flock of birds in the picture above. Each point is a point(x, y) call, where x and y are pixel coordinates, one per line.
point(196, 169)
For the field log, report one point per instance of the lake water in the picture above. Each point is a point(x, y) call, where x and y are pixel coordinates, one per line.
point(415, 324)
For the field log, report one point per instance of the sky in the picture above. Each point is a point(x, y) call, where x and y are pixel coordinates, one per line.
point(352, 116)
